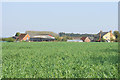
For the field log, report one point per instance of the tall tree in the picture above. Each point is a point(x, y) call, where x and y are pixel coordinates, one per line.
point(117, 35)
point(17, 34)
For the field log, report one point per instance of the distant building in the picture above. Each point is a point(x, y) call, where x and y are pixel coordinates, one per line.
point(86, 39)
point(41, 36)
point(104, 35)
point(31, 33)
point(23, 37)
point(61, 34)
point(92, 39)
point(74, 41)
point(44, 37)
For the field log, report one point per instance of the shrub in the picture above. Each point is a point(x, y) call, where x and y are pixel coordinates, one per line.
point(10, 39)
point(64, 38)
point(117, 39)
point(111, 40)
point(103, 40)
point(58, 38)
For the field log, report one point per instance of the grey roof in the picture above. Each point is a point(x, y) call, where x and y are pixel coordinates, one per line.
point(35, 33)
point(42, 36)
point(91, 38)
point(102, 34)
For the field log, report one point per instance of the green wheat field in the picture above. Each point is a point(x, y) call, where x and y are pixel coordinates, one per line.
point(59, 60)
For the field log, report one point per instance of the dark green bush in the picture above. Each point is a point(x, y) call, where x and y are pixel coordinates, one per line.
point(112, 40)
point(10, 39)
point(17, 34)
point(103, 40)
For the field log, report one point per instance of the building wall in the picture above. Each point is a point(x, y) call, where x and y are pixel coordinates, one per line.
point(108, 36)
point(87, 40)
point(40, 39)
point(74, 41)
point(25, 38)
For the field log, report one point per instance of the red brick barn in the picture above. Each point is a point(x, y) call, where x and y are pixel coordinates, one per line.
point(85, 39)
point(24, 37)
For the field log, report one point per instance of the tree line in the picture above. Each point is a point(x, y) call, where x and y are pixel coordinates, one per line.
point(66, 37)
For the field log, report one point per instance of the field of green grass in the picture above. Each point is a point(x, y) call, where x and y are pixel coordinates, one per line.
point(59, 60)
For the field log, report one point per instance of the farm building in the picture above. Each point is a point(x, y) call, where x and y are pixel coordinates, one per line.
point(41, 36)
point(85, 39)
point(105, 35)
point(74, 41)
point(23, 37)
point(44, 37)
point(32, 33)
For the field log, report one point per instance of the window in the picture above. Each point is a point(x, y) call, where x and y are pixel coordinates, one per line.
point(27, 38)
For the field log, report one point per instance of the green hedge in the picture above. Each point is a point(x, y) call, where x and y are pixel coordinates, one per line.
point(10, 39)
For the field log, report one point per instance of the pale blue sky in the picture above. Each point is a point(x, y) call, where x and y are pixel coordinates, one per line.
point(82, 17)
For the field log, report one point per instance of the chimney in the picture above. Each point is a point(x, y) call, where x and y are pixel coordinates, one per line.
point(100, 31)
point(100, 35)
point(110, 33)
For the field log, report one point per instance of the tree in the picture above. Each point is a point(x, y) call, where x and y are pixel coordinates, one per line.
point(58, 38)
point(64, 38)
point(0, 39)
point(117, 35)
point(17, 34)
point(69, 37)
point(118, 39)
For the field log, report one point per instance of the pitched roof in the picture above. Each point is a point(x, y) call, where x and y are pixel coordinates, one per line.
point(42, 36)
point(35, 33)
point(102, 34)
point(21, 36)
point(83, 38)
point(91, 38)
